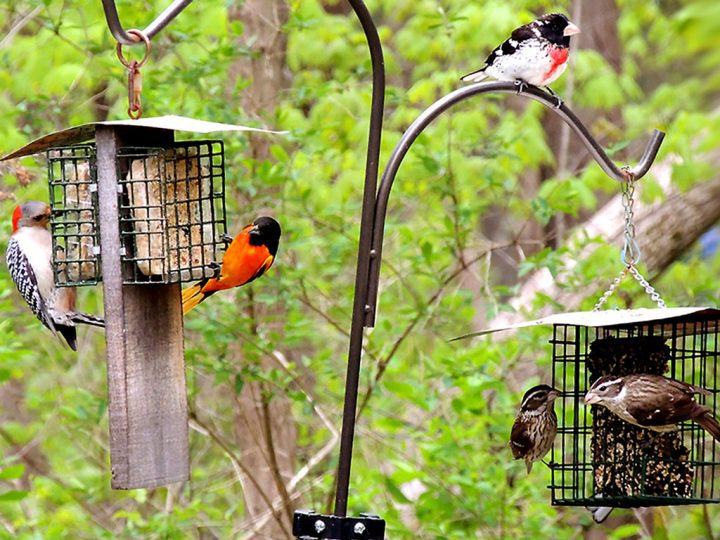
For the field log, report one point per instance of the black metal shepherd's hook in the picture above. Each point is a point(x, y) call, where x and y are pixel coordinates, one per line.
point(308, 524)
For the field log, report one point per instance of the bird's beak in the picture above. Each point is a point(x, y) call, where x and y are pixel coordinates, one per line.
point(571, 30)
point(591, 398)
point(553, 395)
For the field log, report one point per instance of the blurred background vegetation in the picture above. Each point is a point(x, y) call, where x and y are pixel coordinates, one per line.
point(496, 216)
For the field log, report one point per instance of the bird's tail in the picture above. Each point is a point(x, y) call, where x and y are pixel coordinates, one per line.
point(193, 295)
point(475, 76)
point(709, 424)
point(69, 333)
point(599, 513)
point(91, 320)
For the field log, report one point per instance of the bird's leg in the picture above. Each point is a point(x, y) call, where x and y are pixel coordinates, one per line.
point(521, 85)
point(214, 266)
point(555, 95)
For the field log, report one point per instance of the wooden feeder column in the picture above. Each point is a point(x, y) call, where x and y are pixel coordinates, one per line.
point(144, 335)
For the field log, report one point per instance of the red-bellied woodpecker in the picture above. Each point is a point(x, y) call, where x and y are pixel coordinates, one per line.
point(29, 259)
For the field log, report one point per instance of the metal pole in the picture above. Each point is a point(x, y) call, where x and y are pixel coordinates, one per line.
point(364, 255)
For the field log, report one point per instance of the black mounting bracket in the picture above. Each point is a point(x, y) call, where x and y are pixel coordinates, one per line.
point(307, 525)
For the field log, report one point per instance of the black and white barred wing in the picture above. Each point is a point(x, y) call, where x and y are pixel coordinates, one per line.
point(22, 274)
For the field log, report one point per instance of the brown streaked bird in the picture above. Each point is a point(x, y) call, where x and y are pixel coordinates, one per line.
point(652, 402)
point(535, 427)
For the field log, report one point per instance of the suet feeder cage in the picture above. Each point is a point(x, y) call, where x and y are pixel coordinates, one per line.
point(72, 174)
point(172, 211)
point(141, 213)
point(171, 205)
point(599, 459)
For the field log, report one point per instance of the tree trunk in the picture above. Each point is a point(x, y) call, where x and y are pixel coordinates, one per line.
point(265, 429)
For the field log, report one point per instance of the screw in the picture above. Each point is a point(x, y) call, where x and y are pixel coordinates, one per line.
point(359, 528)
point(319, 526)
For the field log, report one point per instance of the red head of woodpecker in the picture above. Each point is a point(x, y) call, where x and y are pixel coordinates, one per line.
point(29, 260)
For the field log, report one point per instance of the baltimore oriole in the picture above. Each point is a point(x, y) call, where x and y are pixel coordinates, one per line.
point(249, 255)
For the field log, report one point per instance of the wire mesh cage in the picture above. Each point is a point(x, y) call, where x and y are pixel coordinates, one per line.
point(172, 211)
point(601, 460)
point(73, 197)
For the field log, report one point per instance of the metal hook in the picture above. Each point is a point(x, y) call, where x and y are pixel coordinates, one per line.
point(138, 36)
point(162, 20)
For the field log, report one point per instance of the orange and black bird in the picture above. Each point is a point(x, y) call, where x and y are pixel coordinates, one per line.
point(249, 255)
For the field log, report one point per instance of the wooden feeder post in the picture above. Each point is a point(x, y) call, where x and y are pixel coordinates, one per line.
point(144, 336)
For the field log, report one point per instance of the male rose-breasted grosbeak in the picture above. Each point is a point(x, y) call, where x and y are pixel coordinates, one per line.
point(535, 53)
point(535, 427)
point(652, 402)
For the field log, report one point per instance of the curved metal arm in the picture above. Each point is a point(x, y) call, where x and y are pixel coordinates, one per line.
point(440, 106)
point(162, 20)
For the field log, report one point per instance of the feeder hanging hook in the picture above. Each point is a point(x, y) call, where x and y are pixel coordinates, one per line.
point(134, 76)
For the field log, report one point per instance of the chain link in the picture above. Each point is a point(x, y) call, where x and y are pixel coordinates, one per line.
point(611, 289)
point(649, 289)
point(630, 254)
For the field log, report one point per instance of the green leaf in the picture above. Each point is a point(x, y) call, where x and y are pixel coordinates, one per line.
point(13, 496)
point(238, 383)
point(13, 472)
point(395, 492)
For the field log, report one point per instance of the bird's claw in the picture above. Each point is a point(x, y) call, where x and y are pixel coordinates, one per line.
point(556, 96)
point(214, 266)
point(227, 238)
point(521, 85)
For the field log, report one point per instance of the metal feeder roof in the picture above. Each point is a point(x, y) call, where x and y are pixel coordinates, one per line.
point(86, 132)
point(615, 318)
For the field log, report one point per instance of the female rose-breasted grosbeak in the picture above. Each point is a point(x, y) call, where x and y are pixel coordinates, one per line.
point(652, 401)
point(535, 427)
point(535, 53)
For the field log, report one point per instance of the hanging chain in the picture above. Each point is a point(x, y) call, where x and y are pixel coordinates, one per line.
point(649, 289)
point(134, 76)
point(630, 254)
point(611, 289)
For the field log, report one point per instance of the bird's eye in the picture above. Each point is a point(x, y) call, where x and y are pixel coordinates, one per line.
point(602, 388)
point(37, 218)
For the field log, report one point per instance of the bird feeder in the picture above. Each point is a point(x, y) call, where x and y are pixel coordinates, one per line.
point(141, 213)
point(599, 459)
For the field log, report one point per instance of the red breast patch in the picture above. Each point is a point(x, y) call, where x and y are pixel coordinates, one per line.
point(559, 56)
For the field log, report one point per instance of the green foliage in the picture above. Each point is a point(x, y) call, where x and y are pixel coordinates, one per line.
point(431, 454)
